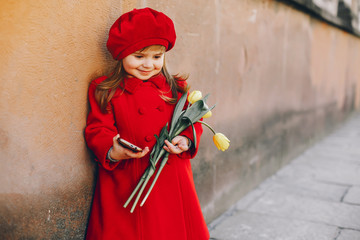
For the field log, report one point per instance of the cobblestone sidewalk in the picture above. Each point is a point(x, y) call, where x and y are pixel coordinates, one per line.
point(315, 197)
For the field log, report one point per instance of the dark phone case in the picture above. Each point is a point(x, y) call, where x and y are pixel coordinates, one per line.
point(129, 145)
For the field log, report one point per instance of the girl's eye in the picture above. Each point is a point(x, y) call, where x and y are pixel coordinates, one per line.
point(157, 56)
point(138, 56)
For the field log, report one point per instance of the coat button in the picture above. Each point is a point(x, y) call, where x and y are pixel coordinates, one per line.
point(148, 138)
point(160, 108)
point(141, 111)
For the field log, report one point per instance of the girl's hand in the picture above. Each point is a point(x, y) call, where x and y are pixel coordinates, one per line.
point(118, 152)
point(178, 145)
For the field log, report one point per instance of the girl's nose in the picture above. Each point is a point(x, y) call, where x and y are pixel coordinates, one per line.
point(147, 63)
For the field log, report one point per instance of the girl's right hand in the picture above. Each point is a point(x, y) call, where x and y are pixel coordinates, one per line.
point(118, 152)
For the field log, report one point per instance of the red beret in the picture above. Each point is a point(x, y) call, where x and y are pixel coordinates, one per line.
point(140, 28)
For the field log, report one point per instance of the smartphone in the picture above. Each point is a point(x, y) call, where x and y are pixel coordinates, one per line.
point(129, 145)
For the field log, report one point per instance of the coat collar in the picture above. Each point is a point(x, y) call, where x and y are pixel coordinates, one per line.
point(132, 84)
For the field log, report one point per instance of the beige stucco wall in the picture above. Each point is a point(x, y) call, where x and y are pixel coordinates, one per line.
point(280, 79)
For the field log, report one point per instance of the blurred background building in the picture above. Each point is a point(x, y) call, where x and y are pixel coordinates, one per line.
point(282, 73)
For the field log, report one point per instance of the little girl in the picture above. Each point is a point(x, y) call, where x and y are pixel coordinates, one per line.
point(134, 103)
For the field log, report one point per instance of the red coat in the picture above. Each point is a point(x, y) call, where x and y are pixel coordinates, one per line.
point(172, 210)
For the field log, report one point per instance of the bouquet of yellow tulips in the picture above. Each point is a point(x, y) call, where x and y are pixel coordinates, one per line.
point(182, 118)
point(220, 140)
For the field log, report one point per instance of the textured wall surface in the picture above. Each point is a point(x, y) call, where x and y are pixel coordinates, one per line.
point(280, 79)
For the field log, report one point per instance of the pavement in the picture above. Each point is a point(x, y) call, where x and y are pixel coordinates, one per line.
point(315, 197)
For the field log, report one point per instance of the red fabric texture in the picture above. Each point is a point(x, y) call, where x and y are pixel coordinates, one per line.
point(172, 210)
point(140, 28)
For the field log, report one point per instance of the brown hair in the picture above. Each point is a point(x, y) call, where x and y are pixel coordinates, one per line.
point(107, 88)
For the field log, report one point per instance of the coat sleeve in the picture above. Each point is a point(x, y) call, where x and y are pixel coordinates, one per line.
point(100, 129)
point(188, 132)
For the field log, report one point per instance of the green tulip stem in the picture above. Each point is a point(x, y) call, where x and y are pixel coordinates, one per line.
point(137, 187)
point(178, 129)
point(163, 162)
point(204, 123)
point(142, 183)
point(151, 172)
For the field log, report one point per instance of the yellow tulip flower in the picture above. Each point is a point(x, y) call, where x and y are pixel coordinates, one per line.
point(194, 96)
point(221, 141)
point(208, 114)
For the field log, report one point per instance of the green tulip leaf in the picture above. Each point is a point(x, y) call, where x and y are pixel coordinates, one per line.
point(177, 111)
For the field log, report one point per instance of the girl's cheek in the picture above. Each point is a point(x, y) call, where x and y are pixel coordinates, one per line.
point(160, 64)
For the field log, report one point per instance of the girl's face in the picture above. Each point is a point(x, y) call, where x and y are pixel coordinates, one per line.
point(145, 63)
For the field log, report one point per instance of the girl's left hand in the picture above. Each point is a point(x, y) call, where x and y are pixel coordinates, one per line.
point(178, 145)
